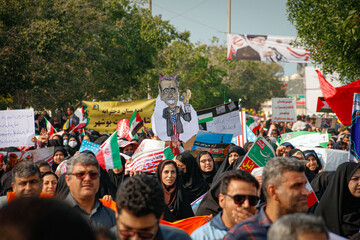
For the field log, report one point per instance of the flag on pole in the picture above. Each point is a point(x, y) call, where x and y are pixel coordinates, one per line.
point(49, 127)
point(78, 127)
point(312, 199)
point(252, 124)
point(241, 139)
point(354, 148)
point(109, 155)
point(135, 123)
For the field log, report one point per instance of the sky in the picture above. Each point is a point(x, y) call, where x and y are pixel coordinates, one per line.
point(207, 18)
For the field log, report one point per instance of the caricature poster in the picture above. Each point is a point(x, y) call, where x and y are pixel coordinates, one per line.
point(174, 119)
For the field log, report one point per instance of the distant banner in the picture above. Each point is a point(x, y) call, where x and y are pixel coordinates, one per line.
point(265, 48)
point(17, 127)
point(307, 139)
point(354, 153)
point(41, 154)
point(221, 119)
point(283, 109)
point(104, 116)
point(258, 155)
point(215, 143)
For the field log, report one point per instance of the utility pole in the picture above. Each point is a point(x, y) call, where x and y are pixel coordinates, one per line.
point(229, 17)
point(149, 5)
point(148, 84)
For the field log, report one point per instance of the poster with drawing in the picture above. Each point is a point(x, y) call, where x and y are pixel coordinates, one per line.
point(173, 120)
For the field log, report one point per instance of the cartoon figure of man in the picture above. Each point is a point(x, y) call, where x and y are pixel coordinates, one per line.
point(169, 94)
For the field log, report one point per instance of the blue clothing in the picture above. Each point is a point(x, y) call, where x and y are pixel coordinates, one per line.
point(254, 228)
point(215, 229)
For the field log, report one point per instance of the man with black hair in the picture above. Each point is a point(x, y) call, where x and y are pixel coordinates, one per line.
point(237, 198)
point(140, 207)
point(43, 166)
point(26, 182)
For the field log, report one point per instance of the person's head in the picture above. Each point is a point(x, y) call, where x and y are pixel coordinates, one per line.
point(140, 206)
point(345, 141)
point(70, 111)
point(73, 141)
point(43, 166)
point(42, 219)
point(59, 154)
point(168, 90)
point(257, 39)
point(129, 148)
point(49, 181)
point(82, 176)
point(234, 153)
point(186, 163)
point(275, 133)
point(206, 161)
point(237, 189)
point(288, 147)
point(354, 183)
point(298, 226)
point(283, 183)
point(26, 180)
point(168, 173)
point(88, 137)
point(296, 153)
point(313, 162)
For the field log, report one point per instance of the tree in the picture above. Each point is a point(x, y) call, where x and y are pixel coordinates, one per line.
point(331, 32)
point(55, 53)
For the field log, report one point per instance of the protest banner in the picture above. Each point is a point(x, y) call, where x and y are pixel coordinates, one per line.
point(87, 145)
point(225, 119)
point(148, 156)
point(104, 116)
point(265, 48)
point(325, 122)
point(329, 158)
point(173, 120)
point(41, 154)
point(215, 143)
point(305, 138)
point(258, 155)
point(283, 109)
point(354, 153)
point(17, 127)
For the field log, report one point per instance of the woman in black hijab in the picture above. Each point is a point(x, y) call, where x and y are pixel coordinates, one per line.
point(59, 155)
point(117, 175)
point(340, 204)
point(207, 167)
point(314, 163)
point(233, 153)
point(190, 176)
point(174, 194)
point(298, 154)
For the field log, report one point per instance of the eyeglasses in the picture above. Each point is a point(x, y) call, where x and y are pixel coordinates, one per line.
point(142, 235)
point(81, 175)
point(239, 199)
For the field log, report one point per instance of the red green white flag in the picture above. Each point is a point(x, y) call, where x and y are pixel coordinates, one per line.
point(109, 155)
point(252, 125)
point(49, 127)
point(135, 123)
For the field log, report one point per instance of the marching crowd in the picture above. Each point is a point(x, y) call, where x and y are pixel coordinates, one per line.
point(74, 198)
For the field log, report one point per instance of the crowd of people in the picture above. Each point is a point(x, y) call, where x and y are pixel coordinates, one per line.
point(75, 198)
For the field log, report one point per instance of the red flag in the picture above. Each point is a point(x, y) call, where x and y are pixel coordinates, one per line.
point(340, 99)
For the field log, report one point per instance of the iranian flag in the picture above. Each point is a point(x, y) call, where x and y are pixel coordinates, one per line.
point(49, 127)
point(109, 155)
point(252, 125)
point(135, 123)
point(312, 199)
point(78, 127)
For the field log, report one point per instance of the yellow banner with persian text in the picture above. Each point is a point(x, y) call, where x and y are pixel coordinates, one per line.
point(103, 116)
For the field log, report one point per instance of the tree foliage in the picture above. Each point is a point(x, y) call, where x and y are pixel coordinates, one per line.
point(331, 31)
point(58, 52)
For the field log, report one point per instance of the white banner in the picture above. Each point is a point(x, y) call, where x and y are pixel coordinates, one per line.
point(17, 127)
point(284, 109)
point(265, 48)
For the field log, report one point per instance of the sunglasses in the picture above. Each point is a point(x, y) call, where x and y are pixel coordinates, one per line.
point(81, 175)
point(239, 199)
point(142, 235)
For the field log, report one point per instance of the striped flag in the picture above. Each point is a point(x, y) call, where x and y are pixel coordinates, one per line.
point(78, 127)
point(109, 155)
point(241, 139)
point(135, 123)
point(49, 127)
point(312, 199)
point(207, 117)
point(252, 124)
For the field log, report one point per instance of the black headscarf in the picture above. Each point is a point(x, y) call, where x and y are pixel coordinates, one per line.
point(338, 207)
point(77, 147)
point(309, 174)
point(225, 166)
point(58, 149)
point(192, 181)
point(117, 179)
point(179, 204)
point(308, 153)
point(321, 182)
point(207, 176)
point(210, 203)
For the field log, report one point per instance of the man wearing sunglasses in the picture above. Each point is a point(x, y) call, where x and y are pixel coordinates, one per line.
point(82, 178)
point(140, 207)
point(237, 198)
point(283, 184)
